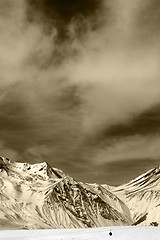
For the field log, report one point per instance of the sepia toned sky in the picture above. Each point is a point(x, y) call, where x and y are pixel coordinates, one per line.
point(80, 86)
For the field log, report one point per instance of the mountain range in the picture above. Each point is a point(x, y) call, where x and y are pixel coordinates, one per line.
point(35, 196)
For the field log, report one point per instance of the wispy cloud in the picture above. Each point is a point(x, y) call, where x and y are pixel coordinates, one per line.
point(129, 148)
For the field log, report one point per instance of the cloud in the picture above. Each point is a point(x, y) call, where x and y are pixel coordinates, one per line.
point(120, 87)
point(118, 68)
point(55, 95)
point(118, 80)
point(7, 151)
point(129, 148)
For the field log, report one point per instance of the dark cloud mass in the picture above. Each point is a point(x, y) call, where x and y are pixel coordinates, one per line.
point(146, 123)
point(58, 10)
point(54, 13)
point(80, 87)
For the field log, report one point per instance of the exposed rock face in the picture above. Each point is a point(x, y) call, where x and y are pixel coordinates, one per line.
point(39, 196)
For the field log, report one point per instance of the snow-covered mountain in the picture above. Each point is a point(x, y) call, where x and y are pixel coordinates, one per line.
point(39, 196)
point(142, 196)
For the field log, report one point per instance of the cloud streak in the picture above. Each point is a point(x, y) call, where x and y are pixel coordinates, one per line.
point(129, 148)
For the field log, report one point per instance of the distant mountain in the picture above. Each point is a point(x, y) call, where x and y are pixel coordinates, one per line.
point(36, 196)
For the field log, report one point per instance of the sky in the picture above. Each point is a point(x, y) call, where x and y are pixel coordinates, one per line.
point(80, 87)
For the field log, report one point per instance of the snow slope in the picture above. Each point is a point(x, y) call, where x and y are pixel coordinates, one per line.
point(142, 196)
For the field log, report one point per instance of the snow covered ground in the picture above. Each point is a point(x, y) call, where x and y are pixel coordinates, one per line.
point(106, 233)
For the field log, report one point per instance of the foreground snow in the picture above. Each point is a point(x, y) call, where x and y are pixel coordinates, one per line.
point(35, 196)
point(114, 233)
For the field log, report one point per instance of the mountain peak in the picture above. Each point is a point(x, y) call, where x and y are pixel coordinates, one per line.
point(38, 169)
